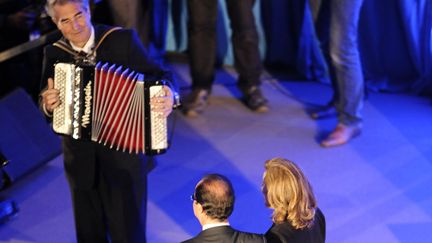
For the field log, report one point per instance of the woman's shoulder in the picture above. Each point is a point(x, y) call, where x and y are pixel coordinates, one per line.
point(319, 216)
point(284, 227)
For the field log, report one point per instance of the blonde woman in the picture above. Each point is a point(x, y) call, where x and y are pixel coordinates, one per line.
point(296, 217)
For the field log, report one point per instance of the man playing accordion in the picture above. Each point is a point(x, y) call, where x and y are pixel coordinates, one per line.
point(108, 186)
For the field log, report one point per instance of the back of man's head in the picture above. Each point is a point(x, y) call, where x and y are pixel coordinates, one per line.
point(216, 196)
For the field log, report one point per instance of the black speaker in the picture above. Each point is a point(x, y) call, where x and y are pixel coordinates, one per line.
point(26, 139)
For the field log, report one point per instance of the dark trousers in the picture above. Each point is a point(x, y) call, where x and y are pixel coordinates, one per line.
point(114, 206)
point(202, 42)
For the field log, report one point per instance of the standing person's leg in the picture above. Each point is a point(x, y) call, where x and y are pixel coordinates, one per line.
point(157, 27)
point(81, 172)
point(246, 54)
point(202, 16)
point(130, 14)
point(346, 62)
point(123, 190)
point(321, 13)
point(89, 216)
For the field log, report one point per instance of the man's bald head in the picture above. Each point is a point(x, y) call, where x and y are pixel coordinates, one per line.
point(215, 194)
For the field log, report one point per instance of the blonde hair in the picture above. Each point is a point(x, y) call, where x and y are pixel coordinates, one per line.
point(289, 193)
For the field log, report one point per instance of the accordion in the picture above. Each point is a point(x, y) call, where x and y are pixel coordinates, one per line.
point(109, 104)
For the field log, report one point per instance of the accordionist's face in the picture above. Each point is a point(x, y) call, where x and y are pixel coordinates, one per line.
point(74, 22)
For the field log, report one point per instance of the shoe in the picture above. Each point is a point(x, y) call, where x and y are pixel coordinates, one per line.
point(195, 103)
point(341, 135)
point(255, 100)
point(325, 112)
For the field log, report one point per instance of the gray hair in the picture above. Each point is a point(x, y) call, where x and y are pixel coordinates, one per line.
point(49, 6)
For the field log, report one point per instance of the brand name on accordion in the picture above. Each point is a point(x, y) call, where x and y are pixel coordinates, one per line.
point(87, 104)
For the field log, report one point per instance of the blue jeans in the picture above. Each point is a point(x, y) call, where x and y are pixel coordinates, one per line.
point(348, 79)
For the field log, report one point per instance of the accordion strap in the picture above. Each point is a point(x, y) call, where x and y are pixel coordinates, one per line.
point(67, 48)
point(104, 36)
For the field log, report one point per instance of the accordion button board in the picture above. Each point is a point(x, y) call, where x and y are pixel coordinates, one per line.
point(110, 105)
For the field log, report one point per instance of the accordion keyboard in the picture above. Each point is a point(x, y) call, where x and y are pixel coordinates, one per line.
point(62, 117)
point(158, 123)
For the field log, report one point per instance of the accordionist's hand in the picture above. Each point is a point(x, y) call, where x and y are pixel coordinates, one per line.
point(163, 104)
point(50, 97)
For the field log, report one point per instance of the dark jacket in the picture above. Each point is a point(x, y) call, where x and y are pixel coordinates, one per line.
point(285, 233)
point(121, 47)
point(225, 234)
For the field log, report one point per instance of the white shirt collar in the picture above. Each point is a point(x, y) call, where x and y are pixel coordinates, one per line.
point(87, 48)
point(208, 226)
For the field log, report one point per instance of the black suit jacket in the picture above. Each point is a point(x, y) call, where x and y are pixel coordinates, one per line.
point(81, 158)
point(285, 233)
point(225, 234)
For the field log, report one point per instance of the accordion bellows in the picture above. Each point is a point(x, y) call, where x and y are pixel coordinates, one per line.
point(109, 104)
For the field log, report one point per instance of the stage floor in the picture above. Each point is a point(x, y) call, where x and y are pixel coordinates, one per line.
point(377, 188)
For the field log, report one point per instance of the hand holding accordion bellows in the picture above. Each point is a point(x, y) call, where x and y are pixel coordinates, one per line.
point(50, 97)
point(163, 104)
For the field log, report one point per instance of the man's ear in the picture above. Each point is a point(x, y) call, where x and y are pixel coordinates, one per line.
point(199, 207)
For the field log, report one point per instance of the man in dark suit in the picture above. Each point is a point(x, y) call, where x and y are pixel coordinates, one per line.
point(213, 203)
point(108, 187)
